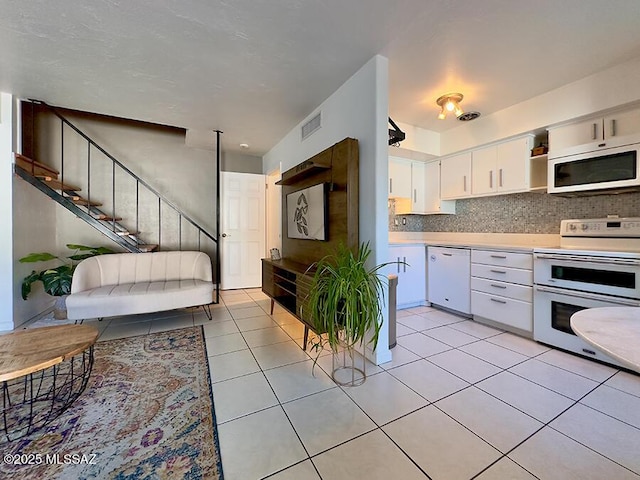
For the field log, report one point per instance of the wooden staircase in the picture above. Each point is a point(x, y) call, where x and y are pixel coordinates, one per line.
point(46, 179)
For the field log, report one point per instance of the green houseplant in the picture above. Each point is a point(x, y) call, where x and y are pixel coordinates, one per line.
point(345, 302)
point(57, 280)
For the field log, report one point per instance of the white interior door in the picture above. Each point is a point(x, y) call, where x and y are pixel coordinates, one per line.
point(242, 243)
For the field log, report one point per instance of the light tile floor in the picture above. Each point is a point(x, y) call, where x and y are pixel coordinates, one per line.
point(460, 400)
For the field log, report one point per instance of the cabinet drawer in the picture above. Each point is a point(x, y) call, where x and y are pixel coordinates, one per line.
point(503, 274)
point(504, 259)
point(509, 290)
point(503, 310)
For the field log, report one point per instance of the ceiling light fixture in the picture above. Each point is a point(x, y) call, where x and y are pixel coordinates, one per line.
point(450, 103)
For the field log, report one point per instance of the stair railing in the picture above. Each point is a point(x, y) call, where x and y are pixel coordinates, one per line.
point(115, 163)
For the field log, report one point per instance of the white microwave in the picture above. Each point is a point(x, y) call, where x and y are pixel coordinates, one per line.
point(604, 171)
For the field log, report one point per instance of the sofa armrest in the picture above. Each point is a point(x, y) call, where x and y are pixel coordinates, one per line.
point(86, 276)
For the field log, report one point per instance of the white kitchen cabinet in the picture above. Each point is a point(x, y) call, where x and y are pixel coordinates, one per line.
point(504, 310)
point(598, 132)
point(502, 288)
point(506, 167)
point(433, 202)
point(412, 276)
point(515, 168)
point(448, 273)
point(455, 177)
point(621, 124)
point(425, 192)
point(574, 134)
point(399, 177)
point(484, 163)
point(418, 189)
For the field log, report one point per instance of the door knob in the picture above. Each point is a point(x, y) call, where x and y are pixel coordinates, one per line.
point(224, 235)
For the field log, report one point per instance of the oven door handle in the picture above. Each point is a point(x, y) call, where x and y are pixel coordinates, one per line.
point(581, 259)
point(589, 296)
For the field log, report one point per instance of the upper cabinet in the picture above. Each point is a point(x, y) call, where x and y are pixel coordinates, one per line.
point(484, 163)
point(622, 124)
point(455, 177)
point(599, 132)
point(497, 169)
point(506, 167)
point(399, 177)
point(433, 202)
point(415, 185)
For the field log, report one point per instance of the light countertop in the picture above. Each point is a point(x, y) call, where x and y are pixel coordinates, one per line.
point(489, 241)
point(612, 330)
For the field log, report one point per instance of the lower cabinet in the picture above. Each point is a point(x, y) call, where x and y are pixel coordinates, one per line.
point(410, 267)
point(502, 288)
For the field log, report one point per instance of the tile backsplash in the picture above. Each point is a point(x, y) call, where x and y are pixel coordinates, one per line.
point(517, 213)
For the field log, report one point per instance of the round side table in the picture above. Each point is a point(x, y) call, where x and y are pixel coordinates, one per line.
point(42, 372)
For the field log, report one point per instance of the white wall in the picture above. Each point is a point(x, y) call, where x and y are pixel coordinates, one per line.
point(358, 109)
point(34, 230)
point(604, 90)
point(29, 219)
point(237, 162)
point(419, 139)
point(6, 212)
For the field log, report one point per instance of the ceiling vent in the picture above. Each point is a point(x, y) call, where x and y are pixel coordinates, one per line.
point(468, 116)
point(311, 126)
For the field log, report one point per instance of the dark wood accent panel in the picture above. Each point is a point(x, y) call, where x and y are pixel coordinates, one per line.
point(343, 176)
point(288, 281)
point(305, 169)
point(267, 278)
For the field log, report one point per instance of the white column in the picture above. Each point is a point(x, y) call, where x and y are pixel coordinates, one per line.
point(6, 212)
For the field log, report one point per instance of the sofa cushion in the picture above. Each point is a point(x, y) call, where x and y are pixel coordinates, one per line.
point(140, 297)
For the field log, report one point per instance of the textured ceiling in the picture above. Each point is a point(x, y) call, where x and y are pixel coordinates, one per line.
point(255, 68)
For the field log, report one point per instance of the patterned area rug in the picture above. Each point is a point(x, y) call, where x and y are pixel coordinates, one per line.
point(147, 412)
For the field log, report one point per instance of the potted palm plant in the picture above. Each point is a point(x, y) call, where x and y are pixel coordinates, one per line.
point(57, 280)
point(345, 304)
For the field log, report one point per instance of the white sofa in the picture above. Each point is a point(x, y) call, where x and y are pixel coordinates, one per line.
point(131, 283)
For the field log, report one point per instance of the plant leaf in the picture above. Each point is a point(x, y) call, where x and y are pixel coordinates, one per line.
point(57, 281)
point(90, 251)
point(344, 301)
point(81, 256)
point(37, 257)
point(27, 282)
point(73, 246)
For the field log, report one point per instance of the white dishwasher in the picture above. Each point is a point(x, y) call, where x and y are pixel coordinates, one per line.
point(449, 278)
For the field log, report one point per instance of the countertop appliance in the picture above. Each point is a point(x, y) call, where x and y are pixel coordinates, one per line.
point(597, 265)
point(449, 278)
point(603, 171)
